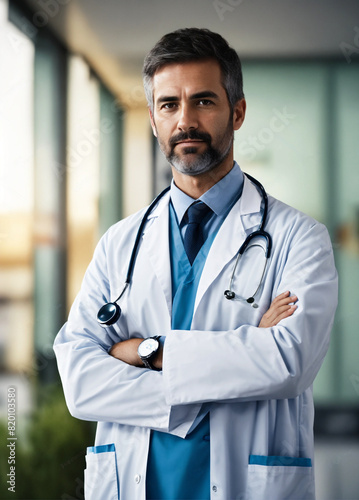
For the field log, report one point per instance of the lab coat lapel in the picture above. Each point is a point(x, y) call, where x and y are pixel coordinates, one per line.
point(156, 244)
point(231, 235)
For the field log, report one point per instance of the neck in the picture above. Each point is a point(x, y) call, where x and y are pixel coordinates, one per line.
point(196, 185)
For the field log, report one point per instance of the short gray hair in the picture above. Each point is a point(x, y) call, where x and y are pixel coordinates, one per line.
point(194, 44)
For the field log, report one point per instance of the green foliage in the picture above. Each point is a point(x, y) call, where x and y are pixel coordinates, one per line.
point(51, 458)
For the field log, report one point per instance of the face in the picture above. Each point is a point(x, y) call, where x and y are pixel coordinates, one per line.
point(192, 118)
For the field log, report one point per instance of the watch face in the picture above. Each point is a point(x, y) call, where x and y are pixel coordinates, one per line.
point(147, 348)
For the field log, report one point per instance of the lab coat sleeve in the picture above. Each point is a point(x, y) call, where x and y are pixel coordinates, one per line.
point(99, 387)
point(251, 363)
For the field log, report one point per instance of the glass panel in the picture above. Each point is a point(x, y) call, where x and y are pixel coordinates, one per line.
point(281, 140)
point(16, 196)
point(50, 196)
point(347, 120)
point(111, 151)
point(83, 159)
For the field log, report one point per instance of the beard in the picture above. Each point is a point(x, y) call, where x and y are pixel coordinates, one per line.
point(190, 162)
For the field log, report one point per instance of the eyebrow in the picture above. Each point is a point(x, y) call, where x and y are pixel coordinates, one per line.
point(205, 94)
point(198, 95)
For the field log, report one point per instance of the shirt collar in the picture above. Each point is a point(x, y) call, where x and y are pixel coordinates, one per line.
point(219, 198)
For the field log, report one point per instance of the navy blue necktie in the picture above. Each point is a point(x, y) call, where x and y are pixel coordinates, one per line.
point(193, 239)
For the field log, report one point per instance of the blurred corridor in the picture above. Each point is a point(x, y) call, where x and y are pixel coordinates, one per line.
point(77, 154)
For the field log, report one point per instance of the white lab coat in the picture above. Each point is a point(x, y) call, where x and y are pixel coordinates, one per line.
point(258, 380)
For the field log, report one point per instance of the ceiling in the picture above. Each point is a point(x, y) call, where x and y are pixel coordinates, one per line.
point(115, 35)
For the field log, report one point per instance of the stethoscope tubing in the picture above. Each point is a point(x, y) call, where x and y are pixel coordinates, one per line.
point(136, 245)
point(260, 232)
point(110, 312)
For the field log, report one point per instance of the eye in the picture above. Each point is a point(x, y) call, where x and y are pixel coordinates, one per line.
point(169, 105)
point(205, 102)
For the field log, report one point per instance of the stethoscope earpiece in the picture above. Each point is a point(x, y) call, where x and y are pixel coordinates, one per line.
point(250, 301)
point(109, 314)
point(229, 294)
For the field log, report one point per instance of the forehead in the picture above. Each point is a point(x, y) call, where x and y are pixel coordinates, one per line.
point(190, 77)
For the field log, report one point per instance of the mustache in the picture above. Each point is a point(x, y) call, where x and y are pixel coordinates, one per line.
point(191, 134)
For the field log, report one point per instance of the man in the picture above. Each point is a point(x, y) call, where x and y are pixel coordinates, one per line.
point(220, 406)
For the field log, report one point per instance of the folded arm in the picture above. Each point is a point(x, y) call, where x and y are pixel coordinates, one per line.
point(99, 387)
point(282, 307)
point(250, 363)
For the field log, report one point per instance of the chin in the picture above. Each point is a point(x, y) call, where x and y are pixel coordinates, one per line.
point(196, 163)
point(193, 170)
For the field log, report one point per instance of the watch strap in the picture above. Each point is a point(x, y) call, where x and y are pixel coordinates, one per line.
point(147, 364)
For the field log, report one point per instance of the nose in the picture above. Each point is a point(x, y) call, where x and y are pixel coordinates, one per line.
point(187, 118)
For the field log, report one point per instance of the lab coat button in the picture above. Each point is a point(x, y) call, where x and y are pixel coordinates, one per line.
point(214, 488)
point(137, 478)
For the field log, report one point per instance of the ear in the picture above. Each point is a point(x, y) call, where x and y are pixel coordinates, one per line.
point(239, 113)
point(154, 130)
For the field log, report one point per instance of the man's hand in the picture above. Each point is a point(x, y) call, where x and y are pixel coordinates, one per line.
point(127, 351)
point(279, 309)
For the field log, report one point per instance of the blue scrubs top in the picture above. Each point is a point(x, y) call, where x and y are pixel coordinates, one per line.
point(180, 468)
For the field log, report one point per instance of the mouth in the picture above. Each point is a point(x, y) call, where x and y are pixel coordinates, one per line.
point(189, 142)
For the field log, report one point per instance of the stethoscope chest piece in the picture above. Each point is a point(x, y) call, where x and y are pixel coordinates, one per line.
point(109, 314)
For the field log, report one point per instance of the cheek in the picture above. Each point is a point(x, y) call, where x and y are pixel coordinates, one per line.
point(164, 132)
point(215, 124)
point(218, 132)
point(163, 140)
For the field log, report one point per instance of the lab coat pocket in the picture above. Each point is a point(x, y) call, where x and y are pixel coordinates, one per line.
point(101, 473)
point(279, 478)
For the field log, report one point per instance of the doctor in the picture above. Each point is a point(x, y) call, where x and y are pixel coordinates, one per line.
point(216, 402)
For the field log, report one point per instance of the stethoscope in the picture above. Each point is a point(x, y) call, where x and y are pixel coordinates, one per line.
point(260, 232)
point(110, 313)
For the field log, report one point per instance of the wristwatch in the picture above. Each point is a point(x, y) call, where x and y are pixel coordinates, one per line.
point(148, 349)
